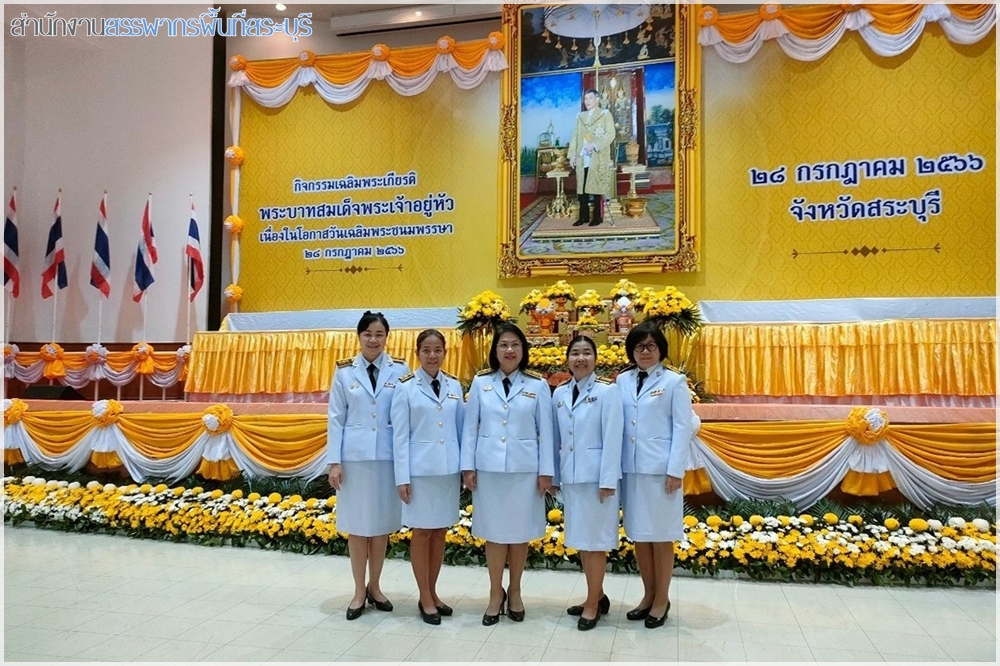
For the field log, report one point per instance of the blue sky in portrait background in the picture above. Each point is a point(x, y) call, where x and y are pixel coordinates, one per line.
point(660, 86)
point(551, 97)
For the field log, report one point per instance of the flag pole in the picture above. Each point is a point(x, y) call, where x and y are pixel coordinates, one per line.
point(190, 301)
point(100, 306)
point(8, 314)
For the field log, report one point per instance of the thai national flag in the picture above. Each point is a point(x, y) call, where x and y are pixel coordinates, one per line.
point(145, 256)
point(100, 270)
point(193, 251)
point(55, 257)
point(11, 276)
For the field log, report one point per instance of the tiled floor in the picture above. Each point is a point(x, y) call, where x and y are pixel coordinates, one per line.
point(83, 597)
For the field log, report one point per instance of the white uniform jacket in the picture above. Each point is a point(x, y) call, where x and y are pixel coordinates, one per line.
point(658, 423)
point(426, 427)
point(358, 423)
point(508, 434)
point(588, 433)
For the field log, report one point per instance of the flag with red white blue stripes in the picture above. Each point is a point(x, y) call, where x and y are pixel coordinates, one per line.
point(11, 275)
point(54, 275)
point(100, 270)
point(193, 251)
point(145, 256)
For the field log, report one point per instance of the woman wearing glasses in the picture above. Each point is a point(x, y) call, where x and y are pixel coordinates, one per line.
point(507, 463)
point(655, 450)
point(359, 451)
point(427, 412)
point(588, 428)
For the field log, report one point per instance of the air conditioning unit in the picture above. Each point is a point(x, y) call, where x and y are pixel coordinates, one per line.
point(412, 16)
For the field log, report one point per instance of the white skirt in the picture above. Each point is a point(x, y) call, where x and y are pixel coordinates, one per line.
point(506, 507)
point(368, 503)
point(590, 524)
point(433, 502)
point(650, 513)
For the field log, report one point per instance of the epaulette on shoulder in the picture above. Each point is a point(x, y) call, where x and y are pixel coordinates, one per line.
point(344, 362)
point(449, 376)
point(406, 378)
point(604, 380)
point(536, 375)
point(483, 373)
point(398, 359)
point(563, 383)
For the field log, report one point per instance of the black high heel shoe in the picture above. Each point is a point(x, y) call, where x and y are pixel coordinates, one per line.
point(637, 614)
point(603, 607)
point(355, 613)
point(583, 624)
point(490, 620)
point(385, 606)
point(517, 616)
point(654, 622)
point(429, 618)
point(445, 610)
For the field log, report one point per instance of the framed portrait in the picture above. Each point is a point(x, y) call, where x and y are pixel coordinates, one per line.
point(600, 140)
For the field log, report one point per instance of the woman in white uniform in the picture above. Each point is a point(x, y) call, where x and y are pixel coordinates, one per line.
point(359, 451)
point(587, 419)
point(427, 413)
point(655, 451)
point(507, 463)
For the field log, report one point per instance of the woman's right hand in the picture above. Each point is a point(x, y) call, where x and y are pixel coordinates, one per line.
point(404, 492)
point(335, 476)
point(469, 479)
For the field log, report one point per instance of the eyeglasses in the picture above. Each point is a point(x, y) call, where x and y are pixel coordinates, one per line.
point(647, 347)
point(503, 346)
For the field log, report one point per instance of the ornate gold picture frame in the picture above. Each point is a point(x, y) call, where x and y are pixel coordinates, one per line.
point(648, 78)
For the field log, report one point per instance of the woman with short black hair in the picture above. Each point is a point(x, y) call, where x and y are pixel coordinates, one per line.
point(655, 451)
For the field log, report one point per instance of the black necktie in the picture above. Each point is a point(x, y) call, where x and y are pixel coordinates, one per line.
point(372, 374)
point(506, 386)
point(436, 385)
point(642, 378)
point(576, 393)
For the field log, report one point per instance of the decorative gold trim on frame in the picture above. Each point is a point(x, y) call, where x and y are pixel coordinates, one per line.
point(687, 167)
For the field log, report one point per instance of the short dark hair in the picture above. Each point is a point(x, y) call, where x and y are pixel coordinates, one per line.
point(646, 329)
point(508, 327)
point(591, 90)
point(369, 318)
point(593, 345)
point(430, 333)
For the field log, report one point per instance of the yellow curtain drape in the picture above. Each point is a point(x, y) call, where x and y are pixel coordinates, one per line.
point(57, 432)
point(281, 442)
point(343, 68)
point(899, 357)
point(291, 361)
point(816, 21)
point(865, 484)
point(966, 454)
point(117, 361)
point(160, 436)
point(771, 450)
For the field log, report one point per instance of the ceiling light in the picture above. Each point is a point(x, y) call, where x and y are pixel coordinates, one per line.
point(280, 7)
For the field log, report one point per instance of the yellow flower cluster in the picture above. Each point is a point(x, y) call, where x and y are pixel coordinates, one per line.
point(530, 300)
point(587, 320)
point(611, 356)
point(624, 287)
point(591, 301)
point(487, 305)
point(666, 303)
point(644, 296)
point(546, 357)
point(561, 289)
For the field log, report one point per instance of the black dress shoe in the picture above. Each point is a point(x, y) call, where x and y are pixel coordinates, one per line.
point(596, 223)
point(654, 622)
point(355, 613)
point(385, 606)
point(490, 620)
point(603, 606)
point(637, 614)
point(445, 610)
point(429, 618)
point(583, 624)
point(581, 222)
point(517, 616)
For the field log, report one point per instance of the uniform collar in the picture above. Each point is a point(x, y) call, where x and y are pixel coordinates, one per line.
point(426, 378)
point(586, 384)
point(380, 361)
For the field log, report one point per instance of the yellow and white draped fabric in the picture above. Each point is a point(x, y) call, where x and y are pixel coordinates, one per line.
point(804, 461)
point(78, 369)
point(809, 33)
point(340, 79)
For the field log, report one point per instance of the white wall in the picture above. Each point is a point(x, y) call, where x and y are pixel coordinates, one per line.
point(126, 114)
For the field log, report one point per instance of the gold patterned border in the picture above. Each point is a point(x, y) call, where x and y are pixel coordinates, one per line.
point(687, 168)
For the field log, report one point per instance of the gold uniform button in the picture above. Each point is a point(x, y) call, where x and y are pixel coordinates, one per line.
point(439, 408)
point(505, 406)
point(633, 439)
point(503, 439)
point(373, 402)
point(442, 441)
point(633, 422)
point(503, 423)
point(440, 424)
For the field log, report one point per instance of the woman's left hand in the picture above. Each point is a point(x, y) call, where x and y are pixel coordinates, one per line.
point(605, 493)
point(544, 484)
point(674, 484)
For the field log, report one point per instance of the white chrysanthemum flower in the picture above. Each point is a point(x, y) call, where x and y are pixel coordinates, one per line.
point(74, 486)
point(955, 521)
point(211, 422)
point(875, 419)
point(934, 525)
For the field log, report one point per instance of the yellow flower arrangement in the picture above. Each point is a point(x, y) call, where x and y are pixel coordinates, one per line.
point(612, 356)
point(530, 300)
point(867, 426)
point(106, 412)
point(545, 358)
point(587, 321)
point(234, 224)
point(671, 308)
point(234, 293)
point(235, 155)
point(561, 289)
point(644, 296)
point(590, 301)
point(626, 288)
point(13, 410)
point(218, 419)
point(485, 310)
